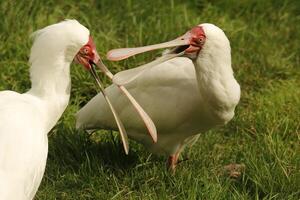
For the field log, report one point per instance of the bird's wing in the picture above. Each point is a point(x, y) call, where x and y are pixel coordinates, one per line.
point(20, 148)
point(96, 113)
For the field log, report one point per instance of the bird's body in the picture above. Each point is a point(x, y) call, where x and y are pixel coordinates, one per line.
point(169, 94)
point(25, 119)
point(182, 97)
point(23, 146)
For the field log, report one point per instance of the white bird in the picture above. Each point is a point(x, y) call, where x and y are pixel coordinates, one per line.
point(25, 119)
point(184, 96)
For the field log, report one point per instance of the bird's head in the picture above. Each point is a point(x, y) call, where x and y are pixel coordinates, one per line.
point(190, 44)
point(61, 44)
point(65, 41)
point(87, 55)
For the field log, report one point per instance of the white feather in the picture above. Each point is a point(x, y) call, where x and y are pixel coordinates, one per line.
point(25, 119)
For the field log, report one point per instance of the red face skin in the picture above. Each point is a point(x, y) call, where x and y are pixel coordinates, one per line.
point(87, 55)
point(197, 40)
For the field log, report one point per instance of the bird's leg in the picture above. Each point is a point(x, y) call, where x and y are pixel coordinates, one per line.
point(172, 162)
point(190, 142)
point(173, 159)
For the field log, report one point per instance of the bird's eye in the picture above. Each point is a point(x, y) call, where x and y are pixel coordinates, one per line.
point(85, 51)
point(200, 41)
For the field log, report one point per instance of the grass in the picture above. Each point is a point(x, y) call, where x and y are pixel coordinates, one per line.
point(264, 134)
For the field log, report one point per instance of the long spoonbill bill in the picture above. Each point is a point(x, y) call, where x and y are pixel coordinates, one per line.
point(187, 91)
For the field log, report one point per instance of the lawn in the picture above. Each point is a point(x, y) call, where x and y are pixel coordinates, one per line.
point(264, 134)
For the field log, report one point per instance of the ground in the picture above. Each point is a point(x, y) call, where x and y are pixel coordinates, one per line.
point(263, 136)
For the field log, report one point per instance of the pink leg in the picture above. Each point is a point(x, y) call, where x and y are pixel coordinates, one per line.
point(173, 160)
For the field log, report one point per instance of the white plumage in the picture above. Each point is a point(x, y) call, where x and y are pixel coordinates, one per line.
point(183, 96)
point(25, 119)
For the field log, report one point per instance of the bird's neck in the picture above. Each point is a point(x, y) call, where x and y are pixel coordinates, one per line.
point(218, 87)
point(51, 83)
